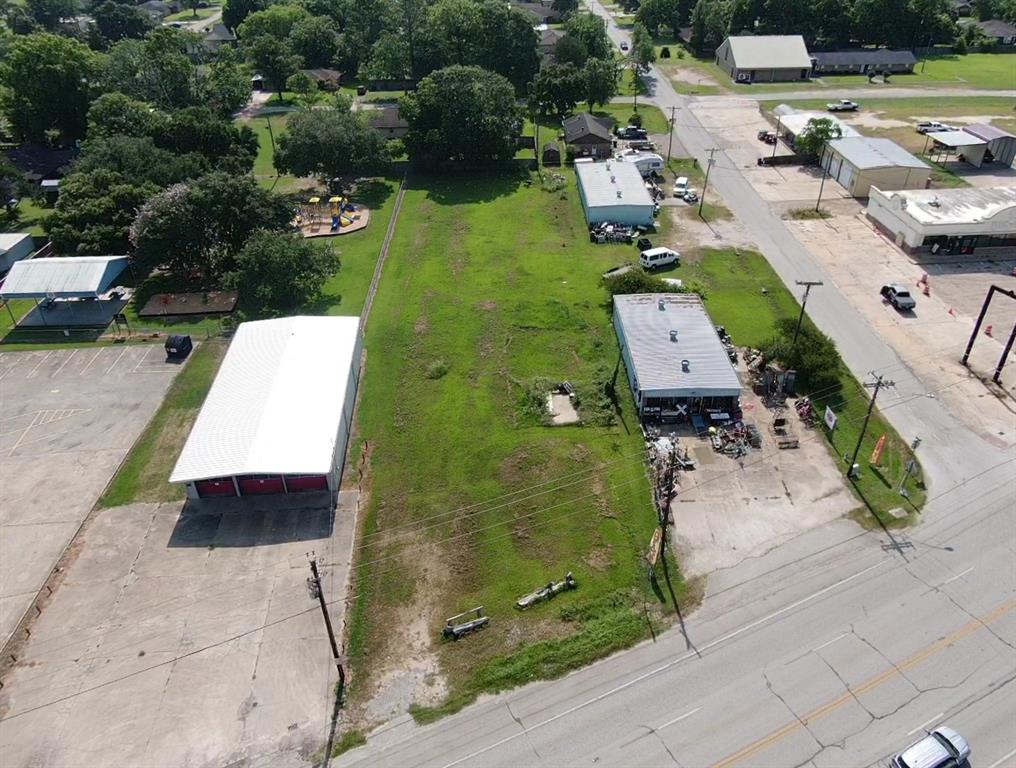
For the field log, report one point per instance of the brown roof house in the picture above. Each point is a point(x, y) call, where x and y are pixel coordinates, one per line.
point(388, 122)
point(588, 136)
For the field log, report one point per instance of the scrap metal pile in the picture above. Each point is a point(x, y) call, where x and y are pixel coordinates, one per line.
point(735, 439)
point(728, 344)
point(611, 233)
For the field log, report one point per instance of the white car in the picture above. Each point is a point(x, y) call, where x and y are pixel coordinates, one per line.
point(624, 46)
point(680, 186)
point(933, 126)
point(941, 748)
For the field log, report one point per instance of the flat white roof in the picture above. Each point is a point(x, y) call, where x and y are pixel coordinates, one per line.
point(276, 404)
point(796, 121)
point(867, 153)
point(612, 183)
point(770, 52)
point(657, 359)
point(956, 139)
point(962, 205)
point(67, 277)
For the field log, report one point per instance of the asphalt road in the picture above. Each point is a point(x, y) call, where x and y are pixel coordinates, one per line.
point(834, 649)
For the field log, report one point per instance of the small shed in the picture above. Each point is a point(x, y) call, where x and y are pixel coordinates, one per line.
point(966, 146)
point(551, 154)
point(1001, 144)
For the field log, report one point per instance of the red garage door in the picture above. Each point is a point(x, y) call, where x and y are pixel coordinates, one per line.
point(219, 486)
point(297, 483)
point(252, 485)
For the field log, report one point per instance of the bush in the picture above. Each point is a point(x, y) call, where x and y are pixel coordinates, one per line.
point(637, 280)
point(635, 119)
point(815, 358)
point(665, 52)
point(437, 369)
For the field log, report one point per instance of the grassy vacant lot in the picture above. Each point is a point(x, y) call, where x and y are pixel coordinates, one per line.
point(144, 476)
point(734, 282)
point(490, 292)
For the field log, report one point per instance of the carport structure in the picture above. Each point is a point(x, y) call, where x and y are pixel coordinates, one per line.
point(278, 416)
point(965, 145)
point(1001, 144)
point(68, 278)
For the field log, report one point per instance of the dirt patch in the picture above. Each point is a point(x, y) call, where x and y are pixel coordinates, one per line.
point(487, 306)
point(599, 559)
point(872, 120)
point(421, 326)
point(691, 76)
point(691, 232)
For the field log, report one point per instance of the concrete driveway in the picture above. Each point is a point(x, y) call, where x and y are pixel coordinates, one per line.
point(67, 419)
point(185, 637)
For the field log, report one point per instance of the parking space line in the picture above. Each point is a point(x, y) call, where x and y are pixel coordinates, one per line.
point(925, 723)
point(35, 368)
point(89, 363)
point(142, 360)
point(24, 433)
point(15, 364)
point(1002, 759)
point(64, 363)
point(118, 358)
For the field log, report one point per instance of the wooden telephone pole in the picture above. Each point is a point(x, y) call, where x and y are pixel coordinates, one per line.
point(878, 384)
point(315, 584)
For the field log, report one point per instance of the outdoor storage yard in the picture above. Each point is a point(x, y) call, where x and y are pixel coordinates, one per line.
point(67, 419)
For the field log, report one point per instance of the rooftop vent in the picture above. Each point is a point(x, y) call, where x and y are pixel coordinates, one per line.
point(613, 179)
point(685, 366)
point(673, 335)
point(619, 193)
point(662, 306)
point(935, 203)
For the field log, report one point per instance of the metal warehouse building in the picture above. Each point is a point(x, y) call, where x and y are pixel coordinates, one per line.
point(614, 192)
point(859, 163)
point(278, 416)
point(676, 364)
point(958, 220)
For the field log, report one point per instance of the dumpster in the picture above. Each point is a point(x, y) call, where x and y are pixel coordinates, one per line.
point(178, 347)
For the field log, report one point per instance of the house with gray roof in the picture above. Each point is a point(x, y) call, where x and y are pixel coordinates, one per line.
point(764, 58)
point(1001, 32)
point(862, 61)
point(588, 135)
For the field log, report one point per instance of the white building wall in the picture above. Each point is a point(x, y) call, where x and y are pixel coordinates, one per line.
point(620, 214)
point(888, 211)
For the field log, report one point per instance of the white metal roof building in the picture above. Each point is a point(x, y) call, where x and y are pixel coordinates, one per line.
point(764, 58)
point(861, 162)
point(14, 246)
point(1001, 144)
point(793, 122)
point(66, 278)
point(957, 220)
point(614, 192)
point(278, 416)
point(966, 145)
point(673, 355)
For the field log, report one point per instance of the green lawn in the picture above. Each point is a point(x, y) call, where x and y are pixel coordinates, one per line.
point(491, 286)
point(265, 126)
point(188, 15)
point(144, 476)
point(28, 217)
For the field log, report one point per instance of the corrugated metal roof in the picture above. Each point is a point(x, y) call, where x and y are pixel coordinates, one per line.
point(601, 183)
point(68, 277)
point(795, 122)
point(769, 52)
point(647, 320)
point(956, 139)
point(987, 132)
point(866, 153)
point(276, 404)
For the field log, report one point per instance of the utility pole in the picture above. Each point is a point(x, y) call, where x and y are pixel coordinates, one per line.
point(670, 143)
point(667, 497)
point(709, 165)
point(821, 186)
point(315, 587)
point(800, 318)
point(779, 122)
point(879, 383)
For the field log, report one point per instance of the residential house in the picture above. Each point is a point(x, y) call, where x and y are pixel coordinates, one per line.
point(37, 163)
point(589, 136)
point(764, 58)
point(1000, 32)
point(216, 36)
point(326, 79)
point(863, 61)
point(159, 9)
point(549, 38)
point(542, 14)
point(388, 122)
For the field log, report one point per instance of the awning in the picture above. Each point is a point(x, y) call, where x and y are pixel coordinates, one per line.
point(62, 278)
point(956, 139)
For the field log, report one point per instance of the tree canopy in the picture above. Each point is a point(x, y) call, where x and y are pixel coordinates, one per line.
point(330, 142)
point(816, 133)
point(558, 88)
point(462, 113)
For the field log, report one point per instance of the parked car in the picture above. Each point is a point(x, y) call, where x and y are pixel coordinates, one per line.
point(898, 296)
point(624, 46)
point(933, 126)
point(843, 105)
point(941, 748)
point(680, 186)
point(769, 137)
point(630, 132)
point(658, 257)
point(642, 146)
point(690, 196)
point(643, 244)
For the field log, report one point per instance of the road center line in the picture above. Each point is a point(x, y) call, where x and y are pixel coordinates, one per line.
point(928, 722)
point(830, 642)
point(1002, 759)
point(669, 664)
point(677, 719)
point(951, 579)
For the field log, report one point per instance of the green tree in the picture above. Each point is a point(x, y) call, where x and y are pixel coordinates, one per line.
point(601, 79)
point(234, 12)
point(641, 56)
point(462, 113)
point(455, 32)
point(198, 227)
point(814, 357)
point(558, 88)
point(657, 13)
point(389, 58)
point(279, 273)
point(227, 86)
point(591, 30)
point(315, 40)
point(224, 144)
point(329, 144)
point(509, 43)
point(565, 8)
point(571, 50)
point(94, 212)
point(274, 59)
point(816, 133)
point(116, 21)
point(138, 158)
point(156, 70)
point(116, 114)
point(709, 23)
point(48, 13)
point(276, 21)
point(47, 79)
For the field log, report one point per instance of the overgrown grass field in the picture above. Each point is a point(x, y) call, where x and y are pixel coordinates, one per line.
point(491, 291)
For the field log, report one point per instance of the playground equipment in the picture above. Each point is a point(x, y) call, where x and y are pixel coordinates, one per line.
point(307, 216)
point(335, 215)
point(342, 211)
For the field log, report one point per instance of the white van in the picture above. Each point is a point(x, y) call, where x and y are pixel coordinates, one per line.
point(658, 257)
point(680, 186)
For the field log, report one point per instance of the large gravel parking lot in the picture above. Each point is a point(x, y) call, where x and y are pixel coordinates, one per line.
point(67, 419)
